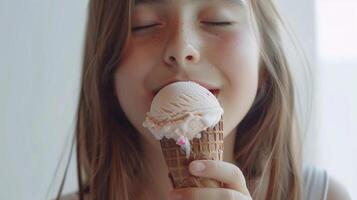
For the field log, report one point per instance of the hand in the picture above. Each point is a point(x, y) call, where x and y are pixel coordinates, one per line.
point(234, 182)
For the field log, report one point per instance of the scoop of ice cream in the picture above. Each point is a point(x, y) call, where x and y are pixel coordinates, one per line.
point(182, 110)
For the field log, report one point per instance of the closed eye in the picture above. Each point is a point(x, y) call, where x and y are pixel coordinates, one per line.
point(137, 28)
point(218, 23)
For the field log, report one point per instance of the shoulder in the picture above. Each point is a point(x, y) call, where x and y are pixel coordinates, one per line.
point(318, 184)
point(315, 182)
point(336, 191)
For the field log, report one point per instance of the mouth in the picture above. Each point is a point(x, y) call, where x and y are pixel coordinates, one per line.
point(214, 90)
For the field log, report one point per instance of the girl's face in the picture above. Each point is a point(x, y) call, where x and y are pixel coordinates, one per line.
point(207, 41)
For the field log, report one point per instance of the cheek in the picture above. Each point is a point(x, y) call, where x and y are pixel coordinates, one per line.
point(129, 94)
point(132, 96)
point(239, 62)
point(130, 75)
point(239, 48)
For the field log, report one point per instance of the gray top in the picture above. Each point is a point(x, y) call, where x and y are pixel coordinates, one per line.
point(315, 183)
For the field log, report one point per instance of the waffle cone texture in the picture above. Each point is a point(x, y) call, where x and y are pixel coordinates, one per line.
point(208, 147)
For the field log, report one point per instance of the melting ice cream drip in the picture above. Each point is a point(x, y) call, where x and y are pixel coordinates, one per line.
point(185, 145)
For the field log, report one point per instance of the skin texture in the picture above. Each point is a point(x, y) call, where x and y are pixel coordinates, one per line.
point(177, 41)
point(181, 43)
point(223, 57)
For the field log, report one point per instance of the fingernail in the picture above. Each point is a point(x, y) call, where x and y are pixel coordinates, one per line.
point(198, 166)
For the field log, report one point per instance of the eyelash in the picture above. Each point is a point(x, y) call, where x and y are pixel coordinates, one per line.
point(210, 23)
point(219, 23)
point(143, 27)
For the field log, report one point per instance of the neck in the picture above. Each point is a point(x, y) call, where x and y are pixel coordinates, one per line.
point(160, 185)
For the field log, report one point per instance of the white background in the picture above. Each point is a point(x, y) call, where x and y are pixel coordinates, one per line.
point(40, 58)
point(337, 89)
point(40, 50)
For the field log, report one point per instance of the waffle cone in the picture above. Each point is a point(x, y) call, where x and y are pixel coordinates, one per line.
point(208, 147)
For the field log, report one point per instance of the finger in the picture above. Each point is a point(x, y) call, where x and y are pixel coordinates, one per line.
point(226, 172)
point(208, 194)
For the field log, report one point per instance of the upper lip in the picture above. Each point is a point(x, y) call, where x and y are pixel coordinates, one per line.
point(203, 84)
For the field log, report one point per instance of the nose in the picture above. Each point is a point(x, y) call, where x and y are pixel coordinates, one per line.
point(180, 50)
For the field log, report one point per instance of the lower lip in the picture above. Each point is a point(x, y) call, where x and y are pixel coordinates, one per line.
point(215, 92)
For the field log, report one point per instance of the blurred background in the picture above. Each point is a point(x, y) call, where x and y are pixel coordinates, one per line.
point(40, 59)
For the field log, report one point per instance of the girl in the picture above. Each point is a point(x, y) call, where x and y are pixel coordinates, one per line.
point(133, 48)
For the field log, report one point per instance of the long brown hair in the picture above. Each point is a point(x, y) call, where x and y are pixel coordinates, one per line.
point(110, 161)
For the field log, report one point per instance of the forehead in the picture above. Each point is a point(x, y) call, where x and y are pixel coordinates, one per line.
point(234, 2)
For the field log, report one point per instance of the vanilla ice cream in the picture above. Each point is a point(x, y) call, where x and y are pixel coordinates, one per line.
point(182, 110)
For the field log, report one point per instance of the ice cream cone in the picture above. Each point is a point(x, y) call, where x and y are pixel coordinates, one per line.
point(208, 147)
point(187, 119)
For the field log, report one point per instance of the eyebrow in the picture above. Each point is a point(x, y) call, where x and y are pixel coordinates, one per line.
point(137, 2)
